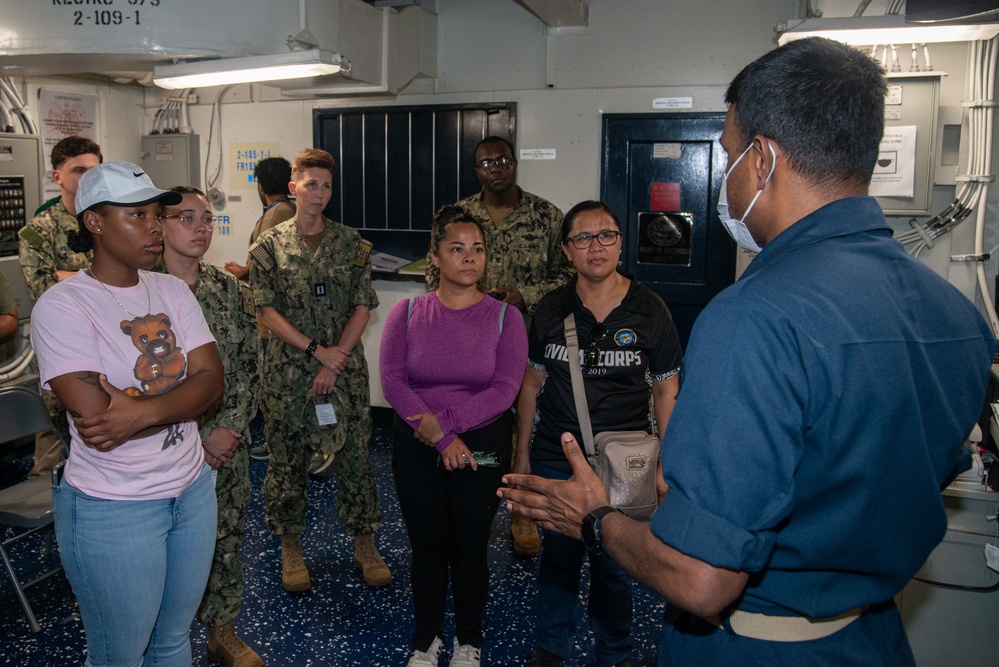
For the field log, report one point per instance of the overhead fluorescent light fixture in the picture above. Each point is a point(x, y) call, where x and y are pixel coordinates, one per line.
point(247, 69)
point(889, 29)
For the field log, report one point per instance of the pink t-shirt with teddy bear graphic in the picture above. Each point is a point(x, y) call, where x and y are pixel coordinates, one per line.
point(82, 325)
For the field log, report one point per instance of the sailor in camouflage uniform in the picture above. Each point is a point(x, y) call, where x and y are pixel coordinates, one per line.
point(225, 434)
point(524, 258)
point(311, 280)
point(523, 232)
point(46, 259)
point(43, 250)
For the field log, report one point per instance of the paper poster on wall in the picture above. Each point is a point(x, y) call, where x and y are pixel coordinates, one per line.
point(895, 170)
point(243, 157)
point(63, 114)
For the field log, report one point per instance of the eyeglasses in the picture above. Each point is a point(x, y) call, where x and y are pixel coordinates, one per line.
point(501, 162)
point(585, 240)
point(591, 357)
point(191, 222)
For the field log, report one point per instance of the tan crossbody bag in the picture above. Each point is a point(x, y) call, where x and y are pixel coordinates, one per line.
point(625, 461)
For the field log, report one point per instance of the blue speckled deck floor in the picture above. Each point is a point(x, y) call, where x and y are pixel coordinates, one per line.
point(341, 621)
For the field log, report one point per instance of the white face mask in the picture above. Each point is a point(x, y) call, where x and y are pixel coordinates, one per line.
point(735, 227)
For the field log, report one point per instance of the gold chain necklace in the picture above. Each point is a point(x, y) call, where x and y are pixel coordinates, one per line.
point(93, 275)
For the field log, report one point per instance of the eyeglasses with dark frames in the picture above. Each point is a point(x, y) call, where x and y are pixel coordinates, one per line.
point(585, 240)
point(191, 222)
point(591, 357)
point(502, 162)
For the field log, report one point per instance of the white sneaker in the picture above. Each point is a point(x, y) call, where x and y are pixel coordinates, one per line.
point(429, 657)
point(464, 655)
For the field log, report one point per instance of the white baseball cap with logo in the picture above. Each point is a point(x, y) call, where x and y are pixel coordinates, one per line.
point(120, 184)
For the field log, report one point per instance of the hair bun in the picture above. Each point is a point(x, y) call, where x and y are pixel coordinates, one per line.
point(79, 242)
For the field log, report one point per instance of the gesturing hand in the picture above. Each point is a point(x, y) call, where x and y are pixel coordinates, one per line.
point(555, 504)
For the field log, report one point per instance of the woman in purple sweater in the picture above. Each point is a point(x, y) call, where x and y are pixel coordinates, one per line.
point(451, 365)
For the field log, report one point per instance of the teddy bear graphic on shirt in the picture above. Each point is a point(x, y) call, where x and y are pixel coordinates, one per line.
point(161, 364)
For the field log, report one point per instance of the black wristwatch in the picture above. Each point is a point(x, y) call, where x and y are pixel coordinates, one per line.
point(310, 349)
point(590, 526)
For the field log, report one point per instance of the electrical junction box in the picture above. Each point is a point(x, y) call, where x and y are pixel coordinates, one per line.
point(910, 116)
point(172, 159)
point(20, 186)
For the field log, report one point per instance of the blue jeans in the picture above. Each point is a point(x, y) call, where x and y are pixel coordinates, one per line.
point(609, 605)
point(138, 569)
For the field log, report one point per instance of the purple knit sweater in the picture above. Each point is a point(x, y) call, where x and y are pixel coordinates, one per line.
point(454, 363)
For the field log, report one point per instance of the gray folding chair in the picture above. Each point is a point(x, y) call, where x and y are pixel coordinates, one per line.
point(29, 503)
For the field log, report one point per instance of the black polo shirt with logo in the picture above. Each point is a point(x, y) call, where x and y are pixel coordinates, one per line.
point(640, 346)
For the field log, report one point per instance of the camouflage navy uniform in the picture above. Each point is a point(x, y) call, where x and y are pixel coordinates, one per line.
point(526, 252)
point(228, 308)
point(286, 276)
point(43, 250)
point(275, 214)
point(7, 303)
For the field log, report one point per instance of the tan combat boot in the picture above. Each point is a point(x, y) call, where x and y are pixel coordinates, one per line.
point(526, 542)
point(374, 569)
point(226, 648)
point(294, 574)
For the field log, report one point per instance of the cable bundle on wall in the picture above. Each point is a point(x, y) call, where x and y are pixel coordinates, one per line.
point(215, 194)
point(973, 191)
point(9, 97)
point(894, 7)
point(171, 117)
point(983, 111)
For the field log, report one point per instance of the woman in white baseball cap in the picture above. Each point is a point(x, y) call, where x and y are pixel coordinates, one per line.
point(129, 354)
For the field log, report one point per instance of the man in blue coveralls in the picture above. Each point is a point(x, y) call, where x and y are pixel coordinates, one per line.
point(824, 398)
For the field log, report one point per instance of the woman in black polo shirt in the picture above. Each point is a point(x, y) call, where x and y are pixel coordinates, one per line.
point(631, 355)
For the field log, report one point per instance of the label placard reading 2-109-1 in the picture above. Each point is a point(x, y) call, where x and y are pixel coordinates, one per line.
point(106, 17)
